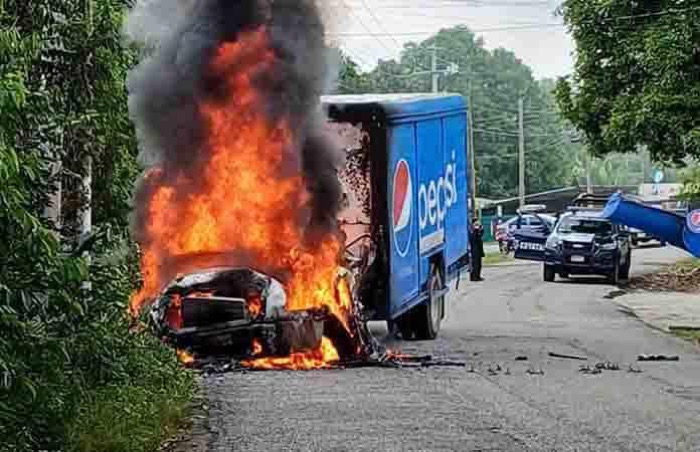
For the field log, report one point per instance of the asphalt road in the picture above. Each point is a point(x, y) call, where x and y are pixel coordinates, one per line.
point(479, 408)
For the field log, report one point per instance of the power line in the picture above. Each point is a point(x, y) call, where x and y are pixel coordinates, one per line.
point(458, 4)
point(537, 25)
point(483, 30)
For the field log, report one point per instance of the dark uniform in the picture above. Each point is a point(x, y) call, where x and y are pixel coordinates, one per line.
point(476, 240)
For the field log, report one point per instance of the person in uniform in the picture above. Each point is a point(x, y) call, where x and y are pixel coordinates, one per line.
point(476, 240)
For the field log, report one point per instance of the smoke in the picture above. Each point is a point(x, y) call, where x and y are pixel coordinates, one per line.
point(179, 39)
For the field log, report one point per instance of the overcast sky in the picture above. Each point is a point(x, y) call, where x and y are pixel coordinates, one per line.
point(372, 29)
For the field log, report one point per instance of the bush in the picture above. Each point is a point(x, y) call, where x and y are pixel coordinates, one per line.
point(70, 367)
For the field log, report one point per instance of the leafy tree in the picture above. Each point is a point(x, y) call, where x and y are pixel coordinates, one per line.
point(493, 82)
point(351, 79)
point(636, 78)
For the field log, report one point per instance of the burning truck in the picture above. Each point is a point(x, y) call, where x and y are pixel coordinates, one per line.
point(268, 232)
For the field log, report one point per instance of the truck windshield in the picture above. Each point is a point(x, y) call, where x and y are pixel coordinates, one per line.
point(584, 226)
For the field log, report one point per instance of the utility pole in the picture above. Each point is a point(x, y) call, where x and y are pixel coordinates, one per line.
point(521, 150)
point(434, 70)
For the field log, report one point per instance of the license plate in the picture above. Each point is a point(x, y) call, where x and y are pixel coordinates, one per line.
point(528, 246)
point(578, 259)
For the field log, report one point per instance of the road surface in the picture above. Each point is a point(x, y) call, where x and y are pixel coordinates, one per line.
point(479, 408)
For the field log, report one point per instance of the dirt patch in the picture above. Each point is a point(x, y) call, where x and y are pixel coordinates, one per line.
point(681, 277)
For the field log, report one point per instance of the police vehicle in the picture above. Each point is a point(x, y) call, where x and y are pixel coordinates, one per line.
point(584, 242)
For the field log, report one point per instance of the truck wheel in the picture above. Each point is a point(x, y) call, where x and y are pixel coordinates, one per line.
point(564, 274)
point(549, 273)
point(429, 316)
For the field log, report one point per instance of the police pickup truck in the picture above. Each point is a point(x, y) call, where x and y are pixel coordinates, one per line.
point(585, 243)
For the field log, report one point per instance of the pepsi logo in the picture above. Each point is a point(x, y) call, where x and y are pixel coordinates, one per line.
point(402, 207)
point(694, 221)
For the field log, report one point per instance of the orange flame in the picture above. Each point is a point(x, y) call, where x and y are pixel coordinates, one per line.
point(257, 348)
point(321, 358)
point(255, 306)
point(185, 357)
point(245, 203)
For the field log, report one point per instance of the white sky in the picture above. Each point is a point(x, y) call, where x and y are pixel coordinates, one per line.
point(371, 29)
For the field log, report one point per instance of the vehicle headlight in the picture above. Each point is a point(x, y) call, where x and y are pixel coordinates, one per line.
point(607, 246)
point(553, 243)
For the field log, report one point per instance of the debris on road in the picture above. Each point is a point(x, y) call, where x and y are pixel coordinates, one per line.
point(634, 369)
point(521, 358)
point(658, 358)
point(615, 294)
point(563, 356)
point(534, 371)
point(598, 368)
point(590, 370)
point(387, 360)
point(607, 366)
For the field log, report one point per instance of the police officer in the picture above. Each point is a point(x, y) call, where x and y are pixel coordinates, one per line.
point(476, 240)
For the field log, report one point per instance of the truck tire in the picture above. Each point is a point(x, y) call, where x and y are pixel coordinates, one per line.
point(549, 273)
point(428, 317)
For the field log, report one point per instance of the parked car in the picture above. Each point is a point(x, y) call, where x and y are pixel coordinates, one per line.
point(637, 236)
point(526, 223)
point(585, 243)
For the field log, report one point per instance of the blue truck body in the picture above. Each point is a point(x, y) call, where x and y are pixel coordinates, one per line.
point(421, 185)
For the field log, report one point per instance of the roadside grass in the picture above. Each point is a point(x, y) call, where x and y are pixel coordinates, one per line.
point(140, 409)
point(691, 263)
point(691, 334)
point(496, 258)
point(131, 418)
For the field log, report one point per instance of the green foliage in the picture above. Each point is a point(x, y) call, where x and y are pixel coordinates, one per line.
point(636, 79)
point(67, 357)
point(691, 184)
point(493, 82)
point(351, 79)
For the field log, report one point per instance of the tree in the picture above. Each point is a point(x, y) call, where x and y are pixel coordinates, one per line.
point(493, 82)
point(636, 80)
point(351, 79)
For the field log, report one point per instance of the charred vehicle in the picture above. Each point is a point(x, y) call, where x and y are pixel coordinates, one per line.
point(406, 203)
point(240, 312)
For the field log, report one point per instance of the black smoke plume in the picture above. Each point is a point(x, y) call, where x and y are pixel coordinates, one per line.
point(179, 39)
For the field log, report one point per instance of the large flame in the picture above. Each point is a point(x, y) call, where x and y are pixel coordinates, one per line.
point(248, 202)
point(321, 358)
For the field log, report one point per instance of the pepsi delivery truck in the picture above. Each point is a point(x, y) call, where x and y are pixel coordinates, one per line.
point(405, 211)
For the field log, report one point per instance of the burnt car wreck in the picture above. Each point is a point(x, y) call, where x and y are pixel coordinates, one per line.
point(240, 313)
